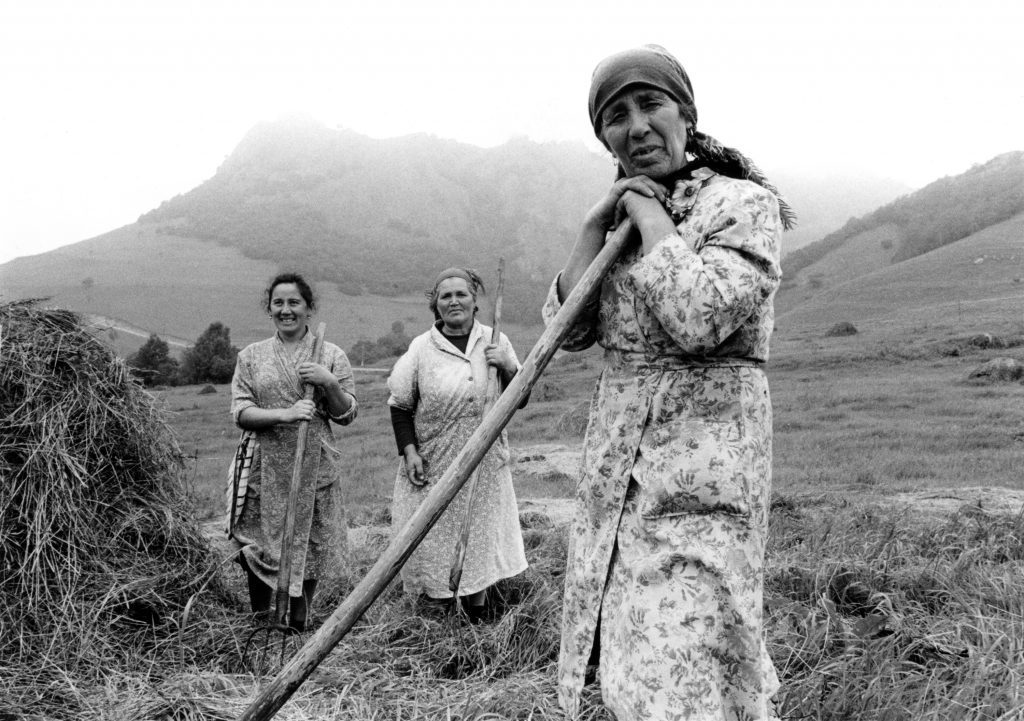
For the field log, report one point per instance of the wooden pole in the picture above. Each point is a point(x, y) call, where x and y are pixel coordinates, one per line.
point(455, 574)
point(284, 570)
point(274, 695)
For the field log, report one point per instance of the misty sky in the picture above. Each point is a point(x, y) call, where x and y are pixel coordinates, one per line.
point(112, 106)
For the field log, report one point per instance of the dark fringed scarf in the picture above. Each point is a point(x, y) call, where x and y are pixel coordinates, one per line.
point(654, 66)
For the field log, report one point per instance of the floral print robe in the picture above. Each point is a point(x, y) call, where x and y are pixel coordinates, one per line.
point(446, 390)
point(667, 545)
point(266, 377)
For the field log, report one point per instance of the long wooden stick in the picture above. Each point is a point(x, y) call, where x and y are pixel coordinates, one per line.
point(274, 695)
point(284, 571)
point(455, 574)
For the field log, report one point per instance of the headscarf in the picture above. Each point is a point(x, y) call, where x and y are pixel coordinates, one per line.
point(656, 67)
point(472, 278)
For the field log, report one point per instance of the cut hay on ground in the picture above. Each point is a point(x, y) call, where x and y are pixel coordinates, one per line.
point(98, 550)
point(874, 611)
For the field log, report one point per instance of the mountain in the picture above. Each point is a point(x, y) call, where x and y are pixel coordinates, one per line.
point(944, 212)
point(370, 220)
point(975, 281)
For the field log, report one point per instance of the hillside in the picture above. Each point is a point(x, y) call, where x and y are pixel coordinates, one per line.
point(380, 216)
point(974, 281)
point(943, 212)
point(136, 278)
point(370, 220)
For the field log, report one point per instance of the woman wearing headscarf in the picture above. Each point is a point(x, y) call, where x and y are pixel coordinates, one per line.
point(438, 394)
point(267, 403)
point(665, 570)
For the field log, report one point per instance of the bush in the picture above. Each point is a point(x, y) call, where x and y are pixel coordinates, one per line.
point(841, 329)
point(153, 364)
point(211, 359)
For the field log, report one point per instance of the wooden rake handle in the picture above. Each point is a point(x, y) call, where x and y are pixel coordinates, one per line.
point(274, 695)
point(284, 571)
point(455, 574)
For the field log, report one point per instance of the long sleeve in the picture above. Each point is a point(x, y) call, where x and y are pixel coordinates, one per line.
point(243, 387)
point(583, 333)
point(339, 365)
point(701, 298)
point(403, 423)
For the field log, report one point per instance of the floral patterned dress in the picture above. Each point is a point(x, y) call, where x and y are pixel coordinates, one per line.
point(446, 390)
point(266, 377)
point(667, 546)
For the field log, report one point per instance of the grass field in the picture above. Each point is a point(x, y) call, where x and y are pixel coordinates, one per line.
point(872, 413)
point(894, 568)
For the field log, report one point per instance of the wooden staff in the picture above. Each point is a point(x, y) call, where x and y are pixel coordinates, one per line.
point(274, 695)
point(455, 574)
point(284, 571)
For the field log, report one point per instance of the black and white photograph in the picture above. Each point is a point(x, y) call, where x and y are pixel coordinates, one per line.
point(536, 361)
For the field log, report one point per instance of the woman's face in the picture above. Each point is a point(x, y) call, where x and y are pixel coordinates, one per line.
point(646, 132)
point(455, 303)
point(289, 310)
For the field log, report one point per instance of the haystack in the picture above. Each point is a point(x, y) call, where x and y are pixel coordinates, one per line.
point(99, 552)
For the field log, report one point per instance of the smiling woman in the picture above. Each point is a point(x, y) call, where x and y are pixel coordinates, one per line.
point(438, 398)
point(268, 404)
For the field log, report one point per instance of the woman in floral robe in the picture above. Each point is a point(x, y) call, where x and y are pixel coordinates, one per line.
point(438, 394)
point(665, 568)
point(267, 401)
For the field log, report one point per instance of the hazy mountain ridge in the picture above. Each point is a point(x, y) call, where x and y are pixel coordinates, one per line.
point(976, 282)
point(372, 220)
point(379, 216)
point(943, 212)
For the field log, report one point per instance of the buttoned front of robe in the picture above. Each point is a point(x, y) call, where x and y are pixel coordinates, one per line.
point(667, 543)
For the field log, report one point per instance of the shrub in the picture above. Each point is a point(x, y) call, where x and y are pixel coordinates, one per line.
point(211, 359)
point(841, 329)
point(154, 364)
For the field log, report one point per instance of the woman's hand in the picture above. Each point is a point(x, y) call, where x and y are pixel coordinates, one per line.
point(316, 375)
point(608, 213)
point(603, 217)
point(649, 217)
point(414, 466)
point(500, 359)
point(301, 410)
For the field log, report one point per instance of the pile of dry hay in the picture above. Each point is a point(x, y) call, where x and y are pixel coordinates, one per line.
point(99, 553)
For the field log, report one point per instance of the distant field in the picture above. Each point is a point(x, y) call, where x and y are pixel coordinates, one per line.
point(892, 581)
point(866, 414)
point(162, 286)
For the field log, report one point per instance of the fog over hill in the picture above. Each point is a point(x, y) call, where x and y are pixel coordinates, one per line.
point(947, 211)
point(367, 219)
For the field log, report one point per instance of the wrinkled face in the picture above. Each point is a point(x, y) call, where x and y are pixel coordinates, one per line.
point(289, 310)
point(455, 304)
point(645, 130)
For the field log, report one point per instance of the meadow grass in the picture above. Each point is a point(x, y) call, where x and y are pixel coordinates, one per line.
point(875, 609)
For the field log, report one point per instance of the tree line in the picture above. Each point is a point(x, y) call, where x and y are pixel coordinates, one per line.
point(212, 358)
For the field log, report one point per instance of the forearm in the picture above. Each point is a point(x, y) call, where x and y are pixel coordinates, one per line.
point(337, 400)
point(257, 419)
point(403, 424)
point(588, 245)
point(655, 227)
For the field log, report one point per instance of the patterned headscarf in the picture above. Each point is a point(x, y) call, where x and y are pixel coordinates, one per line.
point(656, 67)
point(472, 278)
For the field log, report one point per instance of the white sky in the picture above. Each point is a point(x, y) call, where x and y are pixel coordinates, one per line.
point(111, 106)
